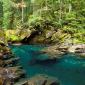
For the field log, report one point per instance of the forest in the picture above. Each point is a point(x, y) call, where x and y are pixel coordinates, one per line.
point(65, 16)
point(42, 42)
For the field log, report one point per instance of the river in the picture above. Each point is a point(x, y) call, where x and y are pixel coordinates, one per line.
point(69, 70)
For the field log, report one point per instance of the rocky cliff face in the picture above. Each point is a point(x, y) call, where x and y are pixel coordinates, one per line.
point(46, 36)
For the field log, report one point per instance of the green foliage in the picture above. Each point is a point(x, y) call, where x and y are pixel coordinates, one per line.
point(65, 15)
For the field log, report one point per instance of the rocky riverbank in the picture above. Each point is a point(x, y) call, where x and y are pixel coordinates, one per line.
point(78, 49)
point(55, 51)
point(10, 71)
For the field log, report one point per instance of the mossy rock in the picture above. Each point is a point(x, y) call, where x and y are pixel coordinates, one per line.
point(3, 39)
point(38, 39)
point(17, 35)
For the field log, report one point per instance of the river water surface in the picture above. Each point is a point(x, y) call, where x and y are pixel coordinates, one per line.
point(69, 70)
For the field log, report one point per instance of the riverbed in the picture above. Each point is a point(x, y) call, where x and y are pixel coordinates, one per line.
point(70, 70)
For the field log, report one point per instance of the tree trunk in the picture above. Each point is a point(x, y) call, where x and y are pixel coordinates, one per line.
point(22, 12)
point(60, 13)
point(70, 6)
point(12, 18)
point(1, 14)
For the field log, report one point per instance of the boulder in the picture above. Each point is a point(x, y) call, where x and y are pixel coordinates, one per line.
point(3, 39)
point(53, 51)
point(11, 72)
point(43, 80)
point(17, 35)
point(78, 49)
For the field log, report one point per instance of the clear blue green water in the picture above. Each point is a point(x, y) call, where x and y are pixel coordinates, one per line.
point(69, 70)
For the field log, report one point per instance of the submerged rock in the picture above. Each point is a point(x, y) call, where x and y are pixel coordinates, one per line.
point(44, 58)
point(43, 62)
point(42, 80)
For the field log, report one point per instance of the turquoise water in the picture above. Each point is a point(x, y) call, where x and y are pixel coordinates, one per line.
point(69, 70)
